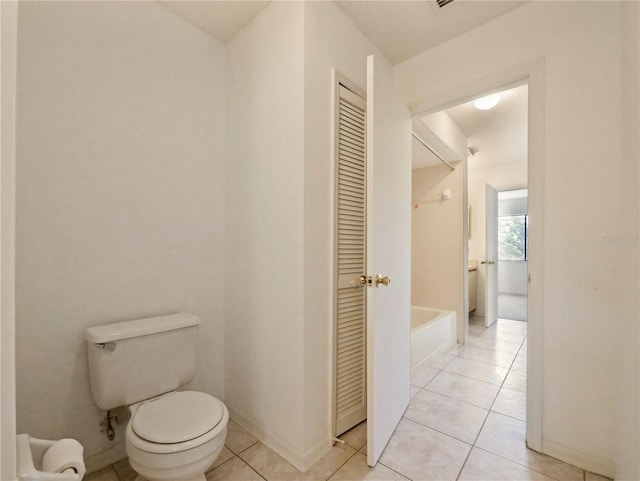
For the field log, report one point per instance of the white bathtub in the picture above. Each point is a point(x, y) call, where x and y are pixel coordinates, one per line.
point(432, 332)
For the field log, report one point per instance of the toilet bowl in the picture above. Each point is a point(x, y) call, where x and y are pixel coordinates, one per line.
point(176, 436)
point(172, 435)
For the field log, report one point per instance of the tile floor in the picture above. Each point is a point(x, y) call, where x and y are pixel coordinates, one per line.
point(465, 421)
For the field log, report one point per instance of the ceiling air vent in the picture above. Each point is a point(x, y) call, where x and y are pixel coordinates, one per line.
point(442, 3)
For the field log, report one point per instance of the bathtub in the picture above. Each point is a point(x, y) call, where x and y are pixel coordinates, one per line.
point(432, 332)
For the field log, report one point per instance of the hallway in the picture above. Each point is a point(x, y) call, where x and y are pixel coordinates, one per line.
point(477, 395)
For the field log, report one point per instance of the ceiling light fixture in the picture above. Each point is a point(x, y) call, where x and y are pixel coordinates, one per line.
point(486, 103)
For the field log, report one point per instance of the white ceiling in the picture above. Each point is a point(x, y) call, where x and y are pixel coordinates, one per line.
point(220, 19)
point(399, 29)
point(403, 29)
point(499, 135)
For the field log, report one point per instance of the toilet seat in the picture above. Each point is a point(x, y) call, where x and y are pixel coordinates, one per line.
point(176, 421)
point(176, 417)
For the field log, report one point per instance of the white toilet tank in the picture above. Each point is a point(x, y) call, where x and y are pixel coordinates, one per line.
point(135, 360)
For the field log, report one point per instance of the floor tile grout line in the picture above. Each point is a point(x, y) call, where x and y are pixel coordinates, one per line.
point(235, 455)
point(222, 463)
point(252, 468)
point(438, 431)
point(503, 457)
point(507, 416)
point(355, 451)
point(535, 470)
point(242, 450)
point(487, 364)
point(456, 399)
point(473, 445)
point(489, 411)
point(467, 377)
point(397, 472)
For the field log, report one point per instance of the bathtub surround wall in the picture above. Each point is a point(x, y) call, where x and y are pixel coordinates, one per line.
point(280, 222)
point(579, 45)
point(120, 197)
point(437, 237)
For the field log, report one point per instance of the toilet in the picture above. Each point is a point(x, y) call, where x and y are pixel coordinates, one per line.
point(172, 435)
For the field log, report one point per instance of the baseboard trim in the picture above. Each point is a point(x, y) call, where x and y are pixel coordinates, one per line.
point(603, 467)
point(301, 460)
point(316, 452)
point(106, 458)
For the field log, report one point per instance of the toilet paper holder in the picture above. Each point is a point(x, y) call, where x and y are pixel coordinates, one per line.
point(30, 452)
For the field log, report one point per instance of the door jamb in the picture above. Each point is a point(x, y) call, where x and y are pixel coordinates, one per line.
point(533, 73)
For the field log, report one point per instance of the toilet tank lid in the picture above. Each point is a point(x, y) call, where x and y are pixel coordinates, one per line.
point(140, 327)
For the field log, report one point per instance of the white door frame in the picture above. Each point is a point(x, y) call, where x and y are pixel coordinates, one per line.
point(533, 74)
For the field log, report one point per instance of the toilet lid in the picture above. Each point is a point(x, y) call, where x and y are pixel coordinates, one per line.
point(177, 417)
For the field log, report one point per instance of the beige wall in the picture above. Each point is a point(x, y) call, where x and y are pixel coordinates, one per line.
point(439, 234)
point(437, 239)
point(9, 18)
point(120, 197)
point(628, 334)
point(578, 46)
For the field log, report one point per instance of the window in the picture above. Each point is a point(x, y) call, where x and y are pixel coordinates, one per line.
point(512, 237)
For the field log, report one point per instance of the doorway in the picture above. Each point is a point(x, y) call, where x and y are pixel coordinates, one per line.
point(506, 166)
point(497, 141)
point(496, 155)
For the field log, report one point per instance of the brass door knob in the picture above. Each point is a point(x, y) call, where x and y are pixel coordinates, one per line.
point(364, 280)
point(385, 281)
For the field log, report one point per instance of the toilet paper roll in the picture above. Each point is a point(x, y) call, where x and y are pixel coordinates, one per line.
point(64, 454)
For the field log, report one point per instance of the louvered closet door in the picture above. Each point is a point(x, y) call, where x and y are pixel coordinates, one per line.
point(350, 375)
